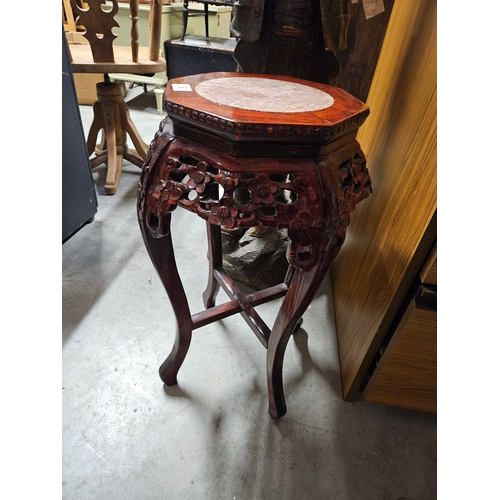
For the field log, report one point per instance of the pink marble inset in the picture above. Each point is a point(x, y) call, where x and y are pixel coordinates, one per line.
point(264, 94)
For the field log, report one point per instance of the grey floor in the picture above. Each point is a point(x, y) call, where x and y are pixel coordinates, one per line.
point(125, 436)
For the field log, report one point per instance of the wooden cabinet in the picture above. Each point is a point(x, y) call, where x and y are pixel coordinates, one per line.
point(392, 234)
point(406, 374)
point(405, 369)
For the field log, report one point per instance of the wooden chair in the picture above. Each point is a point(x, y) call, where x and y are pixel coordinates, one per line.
point(111, 114)
point(186, 15)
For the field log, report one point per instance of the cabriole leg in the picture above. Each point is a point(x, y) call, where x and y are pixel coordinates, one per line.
point(301, 292)
point(214, 262)
point(162, 254)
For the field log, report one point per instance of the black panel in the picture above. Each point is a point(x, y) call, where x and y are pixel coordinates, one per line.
point(79, 199)
point(196, 54)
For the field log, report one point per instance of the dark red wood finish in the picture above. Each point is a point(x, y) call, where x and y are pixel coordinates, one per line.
point(244, 133)
point(311, 195)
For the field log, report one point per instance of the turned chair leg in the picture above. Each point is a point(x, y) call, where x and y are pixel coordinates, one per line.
point(159, 93)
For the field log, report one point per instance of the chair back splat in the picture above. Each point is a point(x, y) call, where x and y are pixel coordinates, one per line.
point(101, 54)
point(98, 24)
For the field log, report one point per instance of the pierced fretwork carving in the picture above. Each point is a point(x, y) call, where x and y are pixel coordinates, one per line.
point(242, 193)
point(97, 27)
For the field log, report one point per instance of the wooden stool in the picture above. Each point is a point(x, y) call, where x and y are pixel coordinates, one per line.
point(253, 150)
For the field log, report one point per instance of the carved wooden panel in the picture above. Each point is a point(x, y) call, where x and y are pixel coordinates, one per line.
point(242, 193)
point(98, 20)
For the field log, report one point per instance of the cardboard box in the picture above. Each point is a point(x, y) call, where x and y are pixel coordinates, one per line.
point(85, 87)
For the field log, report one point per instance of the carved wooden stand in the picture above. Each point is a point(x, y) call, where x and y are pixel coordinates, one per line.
point(237, 168)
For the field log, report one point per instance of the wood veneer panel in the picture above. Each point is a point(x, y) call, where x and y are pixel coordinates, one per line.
point(407, 372)
point(382, 252)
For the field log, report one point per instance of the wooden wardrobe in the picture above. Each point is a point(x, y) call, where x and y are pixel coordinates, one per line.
point(384, 279)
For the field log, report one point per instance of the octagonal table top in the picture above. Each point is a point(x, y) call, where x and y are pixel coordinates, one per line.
point(245, 107)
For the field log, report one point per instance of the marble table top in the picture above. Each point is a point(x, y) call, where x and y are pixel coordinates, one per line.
point(248, 115)
point(264, 94)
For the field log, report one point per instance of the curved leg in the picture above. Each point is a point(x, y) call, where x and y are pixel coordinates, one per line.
point(129, 126)
point(98, 159)
point(95, 127)
point(133, 158)
point(288, 279)
point(162, 254)
point(115, 160)
point(303, 287)
point(101, 147)
point(214, 262)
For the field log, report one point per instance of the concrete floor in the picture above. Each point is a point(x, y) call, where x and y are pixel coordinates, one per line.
point(127, 437)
